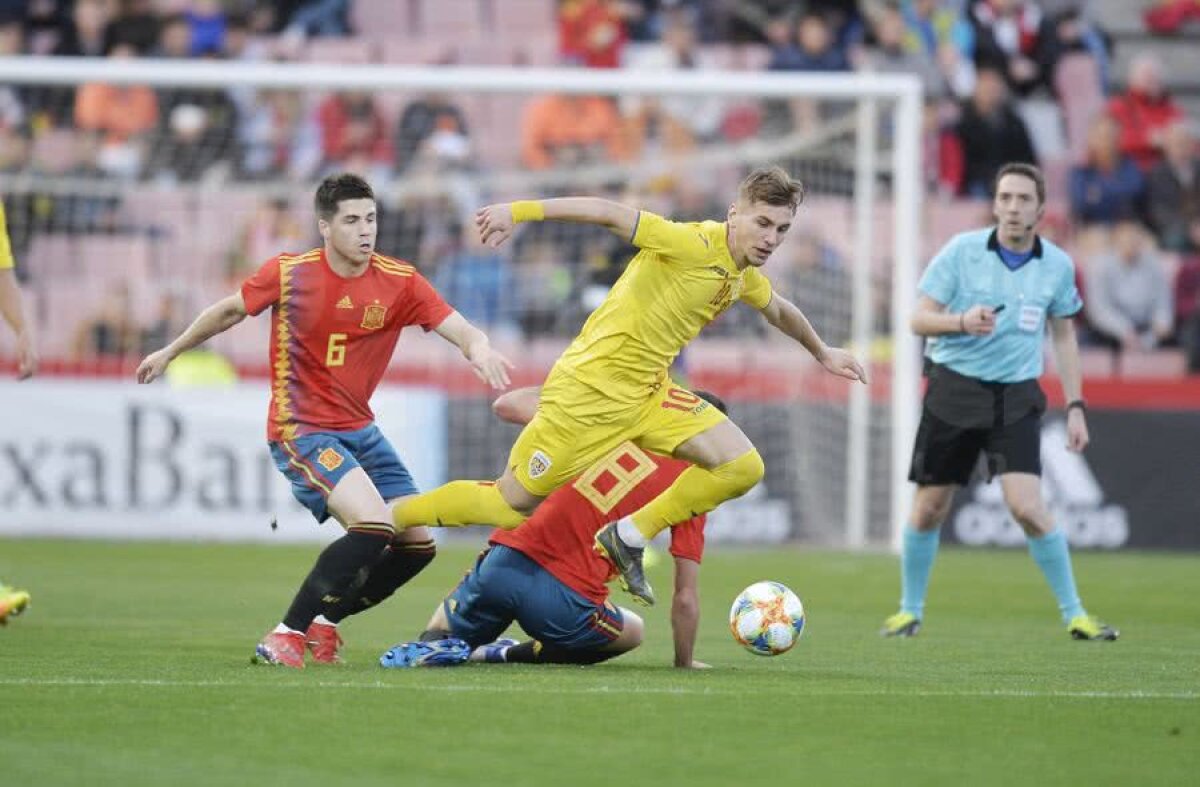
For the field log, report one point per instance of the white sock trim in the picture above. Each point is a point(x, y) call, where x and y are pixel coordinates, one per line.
point(628, 532)
point(324, 621)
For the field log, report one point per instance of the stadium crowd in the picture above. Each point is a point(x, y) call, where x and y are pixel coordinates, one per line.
point(1004, 80)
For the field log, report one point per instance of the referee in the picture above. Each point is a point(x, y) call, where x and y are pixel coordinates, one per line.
point(984, 303)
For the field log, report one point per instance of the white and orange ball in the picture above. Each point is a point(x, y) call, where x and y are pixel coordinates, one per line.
point(767, 618)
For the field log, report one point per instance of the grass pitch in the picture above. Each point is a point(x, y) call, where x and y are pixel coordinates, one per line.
point(131, 667)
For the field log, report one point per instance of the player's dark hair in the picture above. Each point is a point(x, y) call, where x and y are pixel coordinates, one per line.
point(339, 187)
point(772, 185)
point(714, 400)
point(1025, 171)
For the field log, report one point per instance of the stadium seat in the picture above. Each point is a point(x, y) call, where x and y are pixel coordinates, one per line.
point(344, 51)
point(395, 17)
point(528, 17)
point(460, 19)
point(1156, 364)
point(1044, 119)
point(1077, 84)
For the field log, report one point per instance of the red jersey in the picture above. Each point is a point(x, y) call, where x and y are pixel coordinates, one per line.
point(559, 535)
point(333, 337)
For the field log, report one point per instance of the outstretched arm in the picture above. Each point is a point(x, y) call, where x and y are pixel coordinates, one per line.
point(14, 315)
point(488, 364)
point(685, 613)
point(496, 222)
point(787, 317)
point(217, 318)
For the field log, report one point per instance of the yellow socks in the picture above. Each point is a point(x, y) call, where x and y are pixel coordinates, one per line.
point(456, 504)
point(698, 491)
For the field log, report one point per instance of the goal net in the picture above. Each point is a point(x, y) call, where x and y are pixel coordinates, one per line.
point(139, 191)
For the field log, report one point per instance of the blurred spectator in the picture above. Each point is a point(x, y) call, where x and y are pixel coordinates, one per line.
point(12, 105)
point(188, 149)
point(569, 130)
point(478, 281)
point(206, 25)
point(1187, 299)
point(135, 24)
point(1129, 304)
point(930, 29)
point(67, 153)
point(592, 32)
point(748, 21)
point(991, 134)
point(125, 114)
point(1069, 29)
point(272, 230)
point(316, 17)
point(1108, 186)
point(1167, 17)
point(169, 320)
point(174, 37)
point(1003, 35)
point(1173, 189)
point(808, 46)
point(46, 24)
point(432, 124)
point(1144, 111)
point(942, 151)
point(816, 280)
point(677, 122)
point(352, 127)
point(110, 331)
point(543, 287)
point(805, 46)
point(890, 53)
point(85, 34)
point(277, 139)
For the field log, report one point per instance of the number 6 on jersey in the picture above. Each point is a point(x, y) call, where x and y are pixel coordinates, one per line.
point(335, 354)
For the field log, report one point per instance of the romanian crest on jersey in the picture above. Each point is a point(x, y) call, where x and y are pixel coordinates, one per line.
point(539, 463)
point(330, 459)
point(373, 317)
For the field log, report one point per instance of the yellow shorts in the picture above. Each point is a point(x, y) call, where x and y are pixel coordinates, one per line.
point(555, 447)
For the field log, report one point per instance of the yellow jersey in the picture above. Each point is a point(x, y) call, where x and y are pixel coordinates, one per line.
point(679, 281)
point(6, 258)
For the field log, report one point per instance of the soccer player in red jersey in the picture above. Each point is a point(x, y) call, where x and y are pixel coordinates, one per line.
point(546, 576)
point(336, 314)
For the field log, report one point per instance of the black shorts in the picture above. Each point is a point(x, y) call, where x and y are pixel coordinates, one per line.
point(947, 454)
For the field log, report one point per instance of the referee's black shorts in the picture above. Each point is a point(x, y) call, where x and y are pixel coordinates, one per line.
point(947, 454)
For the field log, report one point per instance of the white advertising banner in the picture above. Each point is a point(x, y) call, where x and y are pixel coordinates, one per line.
point(108, 459)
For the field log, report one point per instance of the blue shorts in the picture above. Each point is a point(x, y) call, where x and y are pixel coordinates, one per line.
point(505, 586)
point(314, 463)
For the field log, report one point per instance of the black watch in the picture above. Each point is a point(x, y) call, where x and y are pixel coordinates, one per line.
point(1082, 405)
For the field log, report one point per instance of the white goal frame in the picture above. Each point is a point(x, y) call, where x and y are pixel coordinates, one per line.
point(895, 93)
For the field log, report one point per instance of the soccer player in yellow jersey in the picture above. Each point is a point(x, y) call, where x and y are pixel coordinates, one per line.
point(13, 600)
point(611, 384)
point(10, 306)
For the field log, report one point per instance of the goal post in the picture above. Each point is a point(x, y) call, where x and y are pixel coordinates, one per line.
point(866, 456)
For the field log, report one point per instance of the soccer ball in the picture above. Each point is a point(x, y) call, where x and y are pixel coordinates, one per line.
point(767, 618)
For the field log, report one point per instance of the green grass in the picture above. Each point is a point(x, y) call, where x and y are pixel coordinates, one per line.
point(131, 668)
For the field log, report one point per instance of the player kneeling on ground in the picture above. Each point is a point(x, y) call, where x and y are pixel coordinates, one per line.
point(547, 578)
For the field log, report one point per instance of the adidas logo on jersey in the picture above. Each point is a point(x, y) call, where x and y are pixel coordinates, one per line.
point(345, 303)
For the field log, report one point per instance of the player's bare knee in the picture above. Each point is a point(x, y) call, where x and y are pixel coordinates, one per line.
point(631, 632)
point(517, 496)
point(931, 506)
point(1031, 516)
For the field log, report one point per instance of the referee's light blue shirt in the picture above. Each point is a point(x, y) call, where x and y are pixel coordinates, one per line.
point(969, 271)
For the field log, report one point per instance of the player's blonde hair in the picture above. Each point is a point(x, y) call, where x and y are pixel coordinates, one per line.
point(772, 185)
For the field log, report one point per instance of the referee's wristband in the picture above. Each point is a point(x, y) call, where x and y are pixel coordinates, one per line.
point(1077, 403)
point(527, 210)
